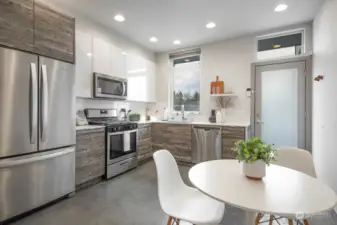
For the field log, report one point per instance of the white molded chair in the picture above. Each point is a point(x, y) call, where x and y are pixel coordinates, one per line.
point(297, 159)
point(179, 201)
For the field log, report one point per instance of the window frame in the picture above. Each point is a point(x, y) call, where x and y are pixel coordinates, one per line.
point(283, 33)
point(171, 89)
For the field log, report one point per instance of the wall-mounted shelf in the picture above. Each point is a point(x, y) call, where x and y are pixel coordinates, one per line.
point(224, 99)
point(224, 95)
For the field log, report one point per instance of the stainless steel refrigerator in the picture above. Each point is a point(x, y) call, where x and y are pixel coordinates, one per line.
point(37, 131)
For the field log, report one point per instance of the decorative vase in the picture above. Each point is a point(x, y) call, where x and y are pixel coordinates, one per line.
point(223, 115)
point(255, 170)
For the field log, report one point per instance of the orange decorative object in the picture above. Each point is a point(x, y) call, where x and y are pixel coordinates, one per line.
point(222, 87)
point(212, 87)
point(217, 85)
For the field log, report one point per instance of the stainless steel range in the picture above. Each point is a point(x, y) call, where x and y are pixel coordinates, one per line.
point(120, 140)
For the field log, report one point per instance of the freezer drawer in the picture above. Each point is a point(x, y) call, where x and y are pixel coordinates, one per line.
point(31, 181)
point(206, 144)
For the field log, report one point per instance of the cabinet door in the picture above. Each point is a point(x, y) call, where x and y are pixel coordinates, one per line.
point(16, 24)
point(54, 33)
point(137, 78)
point(84, 75)
point(101, 56)
point(150, 81)
point(176, 138)
point(118, 62)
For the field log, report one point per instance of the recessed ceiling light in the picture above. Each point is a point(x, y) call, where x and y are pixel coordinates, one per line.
point(153, 39)
point(89, 54)
point(124, 53)
point(119, 18)
point(177, 42)
point(281, 7)
point(210, 25)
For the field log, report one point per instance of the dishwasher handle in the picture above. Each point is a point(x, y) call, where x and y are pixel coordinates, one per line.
point(207, 128)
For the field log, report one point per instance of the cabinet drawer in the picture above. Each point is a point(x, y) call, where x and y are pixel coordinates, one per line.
point(16, 24)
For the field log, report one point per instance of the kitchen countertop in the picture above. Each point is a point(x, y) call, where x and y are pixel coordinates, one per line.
point(88, 127)
point(229, 124)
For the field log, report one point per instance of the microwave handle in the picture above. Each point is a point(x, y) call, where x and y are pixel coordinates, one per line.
point(124, 89)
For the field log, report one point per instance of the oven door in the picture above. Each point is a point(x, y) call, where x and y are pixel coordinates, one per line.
point(106, 86)
point(121, 146)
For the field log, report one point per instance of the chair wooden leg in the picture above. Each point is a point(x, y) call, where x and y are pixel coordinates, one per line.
point(270, 220)
point(306, 222)
point(290, 222)
point(169, 221)
point(258, 218)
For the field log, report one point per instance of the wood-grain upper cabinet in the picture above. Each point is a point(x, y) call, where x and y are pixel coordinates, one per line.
point(54, 33)
point(16, 24)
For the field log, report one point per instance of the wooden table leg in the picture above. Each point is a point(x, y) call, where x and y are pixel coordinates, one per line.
point(169, 221)
point(258, 218)
point(290, 222)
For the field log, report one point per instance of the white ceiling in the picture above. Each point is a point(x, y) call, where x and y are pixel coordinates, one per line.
point(186, 19)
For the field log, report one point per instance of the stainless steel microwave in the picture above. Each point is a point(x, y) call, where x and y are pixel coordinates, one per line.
point(106, 86)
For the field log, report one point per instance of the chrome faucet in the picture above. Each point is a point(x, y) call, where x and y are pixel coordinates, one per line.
point(183, 112)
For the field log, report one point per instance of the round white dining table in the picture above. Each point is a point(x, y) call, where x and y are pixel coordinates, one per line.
point(283, 192)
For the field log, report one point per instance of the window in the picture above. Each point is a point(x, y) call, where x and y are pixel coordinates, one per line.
point(186, 84)
point(286, 44)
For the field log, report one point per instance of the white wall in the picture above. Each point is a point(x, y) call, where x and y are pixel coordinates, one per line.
point(231, 61)
point(324, 94)
point(87, 25)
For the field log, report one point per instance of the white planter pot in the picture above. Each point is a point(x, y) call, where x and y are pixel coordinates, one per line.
point(255, 170)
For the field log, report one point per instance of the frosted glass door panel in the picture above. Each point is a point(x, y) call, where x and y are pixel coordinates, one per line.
point(280, 104)
point(279, 107)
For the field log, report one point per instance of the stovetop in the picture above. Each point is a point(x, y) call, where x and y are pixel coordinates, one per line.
point(111, 122)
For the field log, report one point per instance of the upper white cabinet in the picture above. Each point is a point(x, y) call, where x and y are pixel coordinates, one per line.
point(101, 56)
point(96, 55)
point(141, 79)
point(117, 62)
point(151, 81)
point(83, 66)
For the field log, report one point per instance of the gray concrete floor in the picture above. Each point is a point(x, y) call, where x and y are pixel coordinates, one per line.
point(130, 199)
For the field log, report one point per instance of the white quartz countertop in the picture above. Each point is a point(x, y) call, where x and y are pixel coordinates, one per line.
point(88, 127)
point(230, 124)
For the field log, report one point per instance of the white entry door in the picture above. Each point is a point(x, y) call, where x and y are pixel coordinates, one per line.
point(280, 104)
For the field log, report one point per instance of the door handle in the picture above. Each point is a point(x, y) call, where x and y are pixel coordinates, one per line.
point(33, 103)
point(259, 121)
point(17, 162)
point(124, 89)
point(44, 103)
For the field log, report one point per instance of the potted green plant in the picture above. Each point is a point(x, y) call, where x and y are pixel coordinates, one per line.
point(255, 155)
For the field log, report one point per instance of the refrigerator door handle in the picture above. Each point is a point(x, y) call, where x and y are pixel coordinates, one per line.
point(44, 103)
point(17, 162)
point(33, 103)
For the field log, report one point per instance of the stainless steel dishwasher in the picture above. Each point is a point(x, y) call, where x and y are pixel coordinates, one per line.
point(206, 143)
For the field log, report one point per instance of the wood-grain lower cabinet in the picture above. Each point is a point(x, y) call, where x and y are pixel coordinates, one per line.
point(54, 33)
point(229, 136)
point(16, 24)
point(176, 138)
point(90, 155)
point(144, 143)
